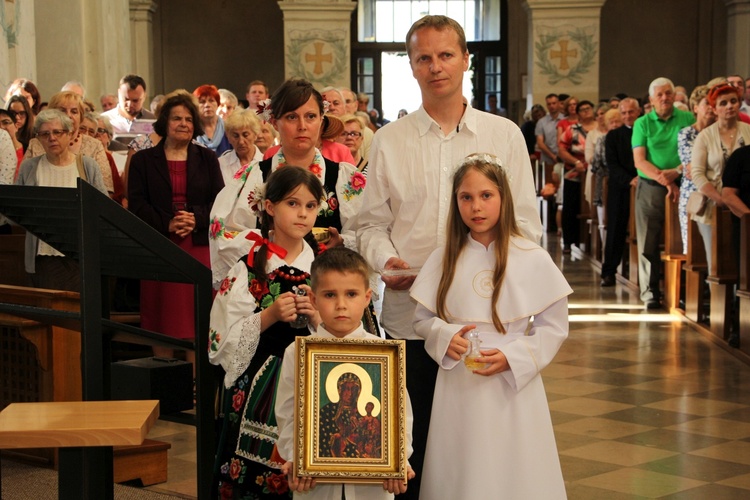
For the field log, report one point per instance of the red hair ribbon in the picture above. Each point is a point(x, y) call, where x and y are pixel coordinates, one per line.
point(257, 242)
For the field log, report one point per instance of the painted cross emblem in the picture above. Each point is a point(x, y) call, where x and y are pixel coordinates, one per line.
point(563, 54)
point(319, 58)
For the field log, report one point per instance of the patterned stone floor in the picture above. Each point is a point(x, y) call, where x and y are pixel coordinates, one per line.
point(643, 406)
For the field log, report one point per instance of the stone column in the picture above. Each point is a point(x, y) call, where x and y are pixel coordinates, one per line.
point(738, 37)
point(142, 40)
point(17, 42)
point(317, 36)
point(564, 48)
point(92, 45)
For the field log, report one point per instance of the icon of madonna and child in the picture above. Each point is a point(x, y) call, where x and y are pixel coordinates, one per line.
point(349, 424)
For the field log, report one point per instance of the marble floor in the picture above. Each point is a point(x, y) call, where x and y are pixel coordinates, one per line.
point(643, 405)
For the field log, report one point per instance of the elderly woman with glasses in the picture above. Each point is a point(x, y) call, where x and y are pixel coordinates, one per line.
point(56, 166)
point(352, 137)
point(242, 129)
point(71, 104)
point(92, 125)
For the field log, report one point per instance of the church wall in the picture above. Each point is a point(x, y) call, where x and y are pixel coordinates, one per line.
point(227, 43)
point(684, 40)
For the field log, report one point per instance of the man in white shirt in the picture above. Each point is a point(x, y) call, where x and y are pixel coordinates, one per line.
point(131, 95)
point(257, 91)
point(405, 206)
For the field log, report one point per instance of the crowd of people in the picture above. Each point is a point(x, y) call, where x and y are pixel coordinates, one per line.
point(297, 200)
point(667, 145)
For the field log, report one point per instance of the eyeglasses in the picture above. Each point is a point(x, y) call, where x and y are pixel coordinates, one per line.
point(51, 133)
point(86, 130)
point(351, 134)
point(101, 131)
point(6, 123)
point(585, 108)
point(21, 113)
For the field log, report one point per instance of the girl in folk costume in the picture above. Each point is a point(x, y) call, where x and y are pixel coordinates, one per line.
point(490, 280)
point(296, 110)
point(253, 319)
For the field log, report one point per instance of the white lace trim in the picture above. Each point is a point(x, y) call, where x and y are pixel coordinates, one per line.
point(246, 347)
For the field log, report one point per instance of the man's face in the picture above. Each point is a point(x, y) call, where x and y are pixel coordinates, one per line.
point(256, 94)
point(108, 102)
point(437, 62)
point(131, 100)
point(362, 104)
point(629, 112)
point(663, 100)
point(553, 105)
point(747, 91)
point(737, 82)
point(350, 101)
point(335, 102)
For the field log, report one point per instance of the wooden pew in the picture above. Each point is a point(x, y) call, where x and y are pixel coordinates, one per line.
point(672, 256)
point(631, 273)
point(743, 289)
point(723, 281)
point(11, 258)
point(696, 269)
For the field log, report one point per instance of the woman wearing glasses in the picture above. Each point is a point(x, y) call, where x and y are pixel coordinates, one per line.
point(71, 104)
point(56, 166)
point(352, 138)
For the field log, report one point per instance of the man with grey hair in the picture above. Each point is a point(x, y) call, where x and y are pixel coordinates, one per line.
point(108, 101)
point(350, 100)
point(654, 144)
point(336, 103)
point(74, 86)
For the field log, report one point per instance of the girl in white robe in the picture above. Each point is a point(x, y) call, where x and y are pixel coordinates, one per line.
point(490, 434)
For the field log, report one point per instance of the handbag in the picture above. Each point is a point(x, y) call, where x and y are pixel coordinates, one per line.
point(696, 204)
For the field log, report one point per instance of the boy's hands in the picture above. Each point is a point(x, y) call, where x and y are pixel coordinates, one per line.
point(300, 484)
point(397, 486)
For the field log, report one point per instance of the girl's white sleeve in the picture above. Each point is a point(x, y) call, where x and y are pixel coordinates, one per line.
point(437, 335)
point(530, 354)
point(235, 327)
point(284, 405)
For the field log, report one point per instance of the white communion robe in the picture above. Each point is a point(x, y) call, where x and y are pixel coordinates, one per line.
point(492, 437)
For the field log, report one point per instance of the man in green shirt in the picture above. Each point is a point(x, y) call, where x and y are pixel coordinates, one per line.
point(659, 170)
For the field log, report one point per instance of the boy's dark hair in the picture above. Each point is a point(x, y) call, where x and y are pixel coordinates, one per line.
point(342, 260)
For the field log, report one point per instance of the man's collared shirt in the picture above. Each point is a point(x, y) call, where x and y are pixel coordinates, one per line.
point(547, 127)
point(408, 194)
point(659, 137)
point(120, 124)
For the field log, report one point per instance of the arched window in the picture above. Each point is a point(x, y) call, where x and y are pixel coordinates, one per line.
point(380, 68)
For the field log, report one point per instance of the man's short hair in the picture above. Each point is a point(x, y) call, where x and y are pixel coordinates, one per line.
point(439, 23)
point(342, 260)
point(133, 81)
point(630, 100)
point(659, 82)
point(257, 82)
point(550, 96)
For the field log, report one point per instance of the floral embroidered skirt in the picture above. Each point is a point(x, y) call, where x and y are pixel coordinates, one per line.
point(248, 465)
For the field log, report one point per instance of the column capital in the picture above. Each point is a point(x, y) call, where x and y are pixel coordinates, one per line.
point(316, 40)
point(550, 9)
point(142, 10)
point(735, 7)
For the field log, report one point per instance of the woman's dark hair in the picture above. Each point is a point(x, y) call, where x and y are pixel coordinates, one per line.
point(25, 133)
point(31, 88)
point(291, 95)
point(280, 183)
point(186, 100)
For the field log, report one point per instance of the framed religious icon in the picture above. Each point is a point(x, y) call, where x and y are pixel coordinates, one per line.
point(350, 411)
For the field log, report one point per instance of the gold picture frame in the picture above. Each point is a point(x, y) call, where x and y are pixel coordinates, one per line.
point(335, 442)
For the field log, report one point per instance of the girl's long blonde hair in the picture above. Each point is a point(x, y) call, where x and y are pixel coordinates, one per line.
point(490, 167)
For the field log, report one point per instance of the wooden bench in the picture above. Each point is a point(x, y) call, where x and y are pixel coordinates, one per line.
point(725, 277)
point(673, 256)
point(146, 462)
point(696, 269)
point(73, 427)
point(743, 289)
